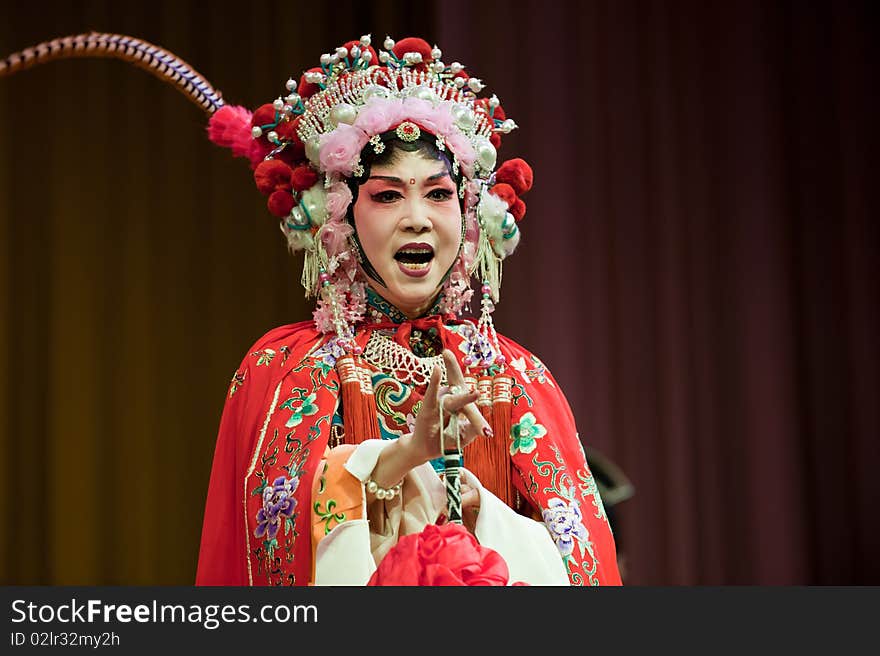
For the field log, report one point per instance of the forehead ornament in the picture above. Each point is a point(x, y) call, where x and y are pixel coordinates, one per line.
point(408, 131)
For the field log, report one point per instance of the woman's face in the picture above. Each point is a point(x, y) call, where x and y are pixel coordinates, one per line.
point(408, 220)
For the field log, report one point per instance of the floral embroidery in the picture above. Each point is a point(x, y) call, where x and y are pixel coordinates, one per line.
point(305, 408)
point(537, 373)
point(589, 488)
point(517, 392)
point(328, 515)
point(278, 502)
point(264, 357)
point(236, 382)
point(565, 523)
point(524, 434)
point(285, 352)
point(565, 515)
point(326, 356)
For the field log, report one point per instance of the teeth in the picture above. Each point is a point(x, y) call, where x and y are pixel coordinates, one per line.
point(414, 266)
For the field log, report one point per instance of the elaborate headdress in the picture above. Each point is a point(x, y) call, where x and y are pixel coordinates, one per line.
point(308, 141)
point(305, 144)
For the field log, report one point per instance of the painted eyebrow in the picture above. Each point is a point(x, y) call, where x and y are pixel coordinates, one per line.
point(391, 178)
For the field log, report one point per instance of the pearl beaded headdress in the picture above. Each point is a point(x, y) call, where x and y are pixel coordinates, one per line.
point(310, 139)
point(305, 144)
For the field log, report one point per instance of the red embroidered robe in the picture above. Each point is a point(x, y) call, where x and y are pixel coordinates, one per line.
point(275, 429)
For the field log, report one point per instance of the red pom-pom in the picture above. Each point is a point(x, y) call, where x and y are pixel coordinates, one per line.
point(264, 115)
point(518, 209)
point(280, 203)
point(230, 127)
point(517, 174)
point(495, 140)
point(412, 44)
point(295, 151)
point(374, 58)
point(306, 89)
point(505, 192)
point(303, 177)
point(272, 175)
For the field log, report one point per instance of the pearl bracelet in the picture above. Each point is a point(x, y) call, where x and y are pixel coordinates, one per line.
point(380, 492)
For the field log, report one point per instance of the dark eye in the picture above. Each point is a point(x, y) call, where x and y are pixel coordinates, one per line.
point(440, 194)
point(388, 196)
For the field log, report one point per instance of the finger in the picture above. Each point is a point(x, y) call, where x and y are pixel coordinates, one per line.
point(453, 403)
point(468, 431)
point(470, 498)
point(453, 371)
point(465, 403)
point(454, 376)
point(431, 394)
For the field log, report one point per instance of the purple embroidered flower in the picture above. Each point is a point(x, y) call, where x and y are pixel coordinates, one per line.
point(565, 523)
point(278, 502)
point(329, 353)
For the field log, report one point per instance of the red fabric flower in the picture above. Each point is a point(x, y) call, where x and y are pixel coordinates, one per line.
point(505, 192)
point(441, 555)
point(374, 58)
point(264, 115)
point(412, 44)
point(286, 130)
point(518, 209)
point(280, 203)
point(303, 177)
point(517, 173)
point(272, 175)
point(306, 89)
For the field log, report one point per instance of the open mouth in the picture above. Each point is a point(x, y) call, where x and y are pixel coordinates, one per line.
point(415, 258)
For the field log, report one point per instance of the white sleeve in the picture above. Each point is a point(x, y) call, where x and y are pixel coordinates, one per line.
point(349, 554)
point(525, 544)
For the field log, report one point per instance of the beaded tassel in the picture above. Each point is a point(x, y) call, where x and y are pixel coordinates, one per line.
point(499, 455)
point(314, 261)
point(359, 413)
point(489, 265)
point(370, 415)
point(490, 458)
point(352, 409)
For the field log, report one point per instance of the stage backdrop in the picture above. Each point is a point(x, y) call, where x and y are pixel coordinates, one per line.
point(699, 269)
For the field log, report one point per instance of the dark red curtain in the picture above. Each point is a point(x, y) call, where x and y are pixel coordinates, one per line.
point(699, 267)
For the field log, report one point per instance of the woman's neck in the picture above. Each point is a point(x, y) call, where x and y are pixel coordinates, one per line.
point(387, 309)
